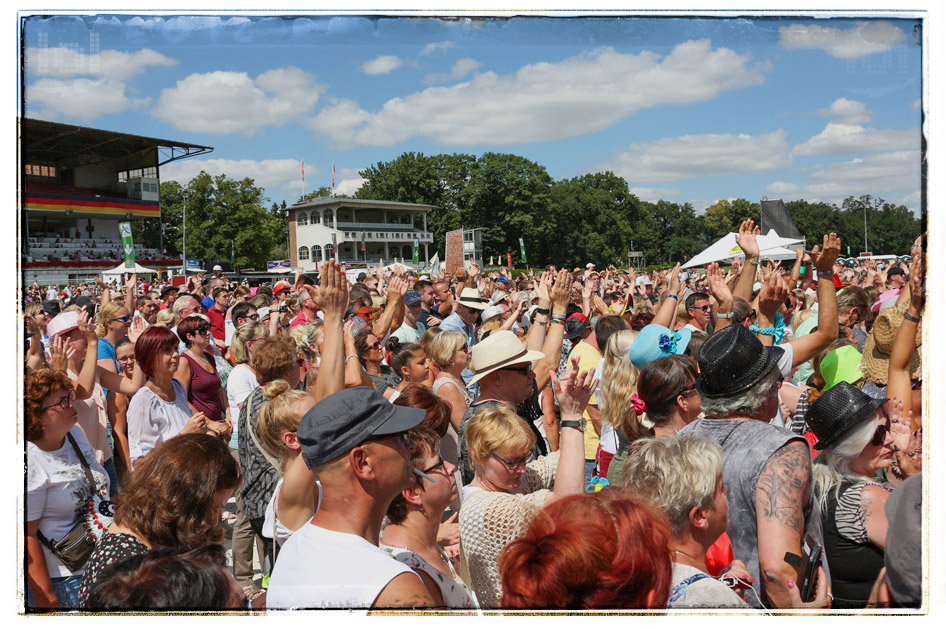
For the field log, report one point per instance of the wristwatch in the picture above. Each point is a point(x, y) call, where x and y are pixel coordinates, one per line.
point(725, 315)
point(580, 424)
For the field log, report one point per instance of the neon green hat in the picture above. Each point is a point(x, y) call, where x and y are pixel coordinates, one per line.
point(841, 365)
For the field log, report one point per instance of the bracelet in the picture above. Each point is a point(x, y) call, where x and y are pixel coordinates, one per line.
point(755, 262)
point(558, 317)
point(350, 356)
point(726, 315)
point(823, 273)
point(672, 296)
point(559, 321)
point(910, 317)
point(543, 311)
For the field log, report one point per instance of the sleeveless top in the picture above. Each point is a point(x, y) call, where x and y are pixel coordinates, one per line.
point(322, 569)
point(204, 391)
point(855, 561)
point(747, 445)
point(456, 594)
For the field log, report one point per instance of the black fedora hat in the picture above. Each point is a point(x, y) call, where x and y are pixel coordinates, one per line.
point(732, 360)
point(840, 409)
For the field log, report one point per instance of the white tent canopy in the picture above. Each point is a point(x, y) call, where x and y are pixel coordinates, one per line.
point(116, 273)
point(771, 245)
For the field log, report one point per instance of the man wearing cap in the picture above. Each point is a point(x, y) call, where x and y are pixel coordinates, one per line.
point(358, 445)
point(168, 295)
point(502, 366)
point(467, 309)
point(281, 290)
point(412, 329)
point(766, 469)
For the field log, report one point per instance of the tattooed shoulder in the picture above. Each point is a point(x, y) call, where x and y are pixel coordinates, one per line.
point(784, 485)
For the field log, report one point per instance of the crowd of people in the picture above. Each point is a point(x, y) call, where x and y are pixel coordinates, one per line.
point(748, 438)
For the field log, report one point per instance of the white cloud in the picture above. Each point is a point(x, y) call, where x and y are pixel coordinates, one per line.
point(862, 39)
point(845, 138)
point(691, 156)
point(917, 103)
point(349, 186)
point(847, 112)
point(547, 101)
point(782, 188)
point(700, 205)
point(382, 65)
point(874, 174)
point(232, 102)
point(433, 47)
point(459, 70)
point(84, 99)
point(113, 64)
point(654, 194)
point(271, 174)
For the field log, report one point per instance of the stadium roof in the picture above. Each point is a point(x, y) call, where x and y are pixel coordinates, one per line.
point(53, 142)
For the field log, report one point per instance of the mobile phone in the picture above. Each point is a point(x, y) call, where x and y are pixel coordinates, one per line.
point(811, 570)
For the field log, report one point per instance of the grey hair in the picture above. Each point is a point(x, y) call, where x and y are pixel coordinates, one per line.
point(746, 404)
point(677, 474)
point(833, 466)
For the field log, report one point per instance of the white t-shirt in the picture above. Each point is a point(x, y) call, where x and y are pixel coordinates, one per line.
point(151, 420)
point(322, 569)
point(609, 438)
point(240, 384)
point(57, 490)
point(51, 293)
point(694, 589)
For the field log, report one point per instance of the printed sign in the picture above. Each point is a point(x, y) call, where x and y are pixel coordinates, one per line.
point(278, 265)
point(128, 244)
point(522, 251)
point(416, 252)
point(454, 246)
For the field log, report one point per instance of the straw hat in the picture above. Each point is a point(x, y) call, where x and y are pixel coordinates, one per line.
point(500, 349)
point(880, 342)
point(470, 297)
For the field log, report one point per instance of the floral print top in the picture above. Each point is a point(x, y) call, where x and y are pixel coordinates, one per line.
point(456, 593)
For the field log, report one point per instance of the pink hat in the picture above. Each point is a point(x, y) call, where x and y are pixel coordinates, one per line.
point(253, 291)
point(62, 323)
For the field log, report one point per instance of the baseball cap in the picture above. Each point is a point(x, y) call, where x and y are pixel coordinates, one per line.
point(411, 297)
point(280, 286)
point(62, 323)
point(217, 267)
point(348, 418)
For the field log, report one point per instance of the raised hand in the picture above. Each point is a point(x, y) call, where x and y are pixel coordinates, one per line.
point(543, 287)
point(674, 288)
point(561, 291)
point(717, 286)
point(825, 258)
point(332, 293)
point(60, 353)
point(574, 390)
point(917, 294)
point(746, 239)
point(138, 326)
point(85, 326)
point(773, 293)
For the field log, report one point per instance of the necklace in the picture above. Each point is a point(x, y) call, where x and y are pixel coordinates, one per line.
point(438, 552)
point(696, 561)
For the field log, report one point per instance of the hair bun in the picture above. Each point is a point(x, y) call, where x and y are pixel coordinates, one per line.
point(275, 388)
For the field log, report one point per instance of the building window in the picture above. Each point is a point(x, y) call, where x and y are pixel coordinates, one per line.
point(316, 253)
point(329, 251)
point(329, 221)
point(137, 173)
point(316, 217)
point(302, 218)
point(303, 253)
point(37, 170)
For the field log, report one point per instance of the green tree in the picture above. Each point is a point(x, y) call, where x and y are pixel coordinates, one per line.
point(725, 216)
point(224, 213)
point(323, 191)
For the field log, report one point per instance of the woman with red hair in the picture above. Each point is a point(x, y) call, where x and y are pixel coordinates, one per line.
point(606, 550)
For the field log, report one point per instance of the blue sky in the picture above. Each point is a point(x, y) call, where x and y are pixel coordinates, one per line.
point(687, 109)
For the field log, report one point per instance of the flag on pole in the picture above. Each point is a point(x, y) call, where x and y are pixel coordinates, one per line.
point(232, 255)
point(303, 171)
point(416, 252)
point(522, 250)
point(509, 259)
point(333, 176)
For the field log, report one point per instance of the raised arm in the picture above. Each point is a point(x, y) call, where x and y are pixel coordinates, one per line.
point(721, 293)
point(811, 344)
point(668, 309)
point(130, 286)
point(773, 293)
point(552, 347)
point(899, 385)
point(572, 392)
point(393, 314)
point(782, 492)
point(332, 297)
point(747, 242)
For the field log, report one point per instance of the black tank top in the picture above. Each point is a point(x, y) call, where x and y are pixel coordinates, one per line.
point(854, 565)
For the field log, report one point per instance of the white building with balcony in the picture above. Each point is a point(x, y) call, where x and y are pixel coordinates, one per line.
point(356, 231)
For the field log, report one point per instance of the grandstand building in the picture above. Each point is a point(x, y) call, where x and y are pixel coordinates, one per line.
point(76, 185)
point(356, 231)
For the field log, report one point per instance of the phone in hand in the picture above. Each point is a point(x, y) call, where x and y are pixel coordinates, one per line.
point(810, 575)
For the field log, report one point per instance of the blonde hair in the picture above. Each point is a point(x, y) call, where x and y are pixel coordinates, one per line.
point(497, 428)
point(277, 417)
point(444, 346)
point(428, 338)
point(493, 324)
point(166, 318)
point(305, 336)
point(249, 331)
point(618, 380)
point(107, 312)
point(800, 317)
point(677, 474)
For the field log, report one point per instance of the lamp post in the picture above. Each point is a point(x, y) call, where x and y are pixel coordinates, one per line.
point(184, 240)
point(865, 228)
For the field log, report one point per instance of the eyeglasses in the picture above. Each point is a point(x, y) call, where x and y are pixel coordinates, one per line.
point(703, 308)
point(524, 369)
point(880, 435)
point(254, 317)
point(434, 467)
point(65, 402)
point(375, 345)
point(203, 329)
point(465, 348)
point(514, 463)
point(125, 319)
point(686, 391)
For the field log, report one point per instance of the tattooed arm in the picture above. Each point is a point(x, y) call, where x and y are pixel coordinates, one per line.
point(405, 591)
point(781, 493)
point(873, 499)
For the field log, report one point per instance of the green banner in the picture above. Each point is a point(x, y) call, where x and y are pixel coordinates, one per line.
point(128, 244)
point(522, 251)
point(416, 252)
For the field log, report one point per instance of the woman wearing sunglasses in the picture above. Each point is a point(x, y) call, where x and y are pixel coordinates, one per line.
point(198, 371)
point(854, 438)
point(113, 323)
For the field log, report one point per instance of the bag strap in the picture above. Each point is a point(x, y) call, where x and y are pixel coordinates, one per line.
point(85, 465)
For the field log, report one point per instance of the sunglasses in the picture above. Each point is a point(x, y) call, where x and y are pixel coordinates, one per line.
point(434, 467)
point(403, 439)
point(880, 435)
point(203, 329)
point(524, 369)
point(375, 345)
point(65, 402)
point(125, 319)
point(703, 308)
point(465, 348)
point(513, 463)
point(254, 317)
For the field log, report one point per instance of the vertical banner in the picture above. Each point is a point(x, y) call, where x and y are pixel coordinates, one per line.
point(128, 244)
point(509, 259)
point(416, 252)
point(522, 251)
